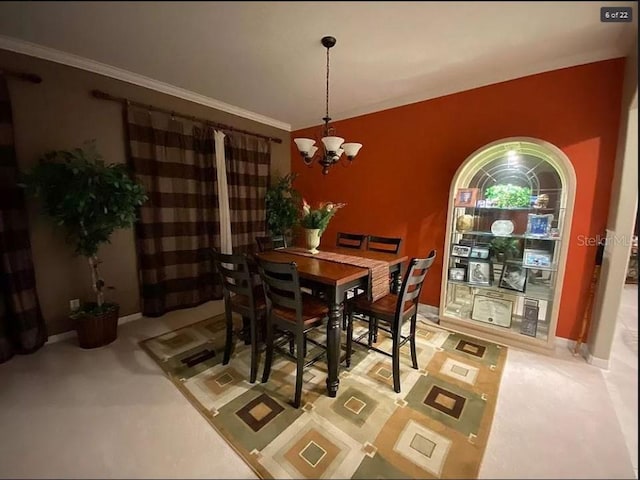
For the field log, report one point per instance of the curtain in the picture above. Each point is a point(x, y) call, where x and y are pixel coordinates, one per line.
point(22, 328)
point(223, 195)
point(174, 159)
point(248, 162)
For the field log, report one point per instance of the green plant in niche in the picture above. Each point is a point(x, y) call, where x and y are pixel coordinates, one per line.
point(89, 200)
point(282, 202)
point(507, 247)
point(505, 196)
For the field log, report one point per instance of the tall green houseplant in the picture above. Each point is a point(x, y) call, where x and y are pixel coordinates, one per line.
point(88, 200)
point(282, 202)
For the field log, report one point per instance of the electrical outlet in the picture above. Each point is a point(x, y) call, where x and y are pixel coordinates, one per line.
point(74, 304)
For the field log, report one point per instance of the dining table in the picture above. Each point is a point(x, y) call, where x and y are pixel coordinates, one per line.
point(334, 279)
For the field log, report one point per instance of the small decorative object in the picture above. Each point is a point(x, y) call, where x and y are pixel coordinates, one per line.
point(554, 233)
point(464, 223)
point(536, 258)
point(532, 200)
point(466, 197)
point(505, 248)
point(514, 277)
point(488, 203)
point(457, 274)
point(508, 196)
point(480, 252)
point(489, 309)
point(529, 325)
point(460, 250)
point(480, 272)
point(481, 204)
point(541, 201)
point(539, 225)
point(539, 277)
point(315, 221)
point(502, 228)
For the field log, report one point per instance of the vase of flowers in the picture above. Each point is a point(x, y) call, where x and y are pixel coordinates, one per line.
point(316, 220)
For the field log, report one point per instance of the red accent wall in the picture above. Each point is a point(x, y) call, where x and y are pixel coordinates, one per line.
point(398, 185)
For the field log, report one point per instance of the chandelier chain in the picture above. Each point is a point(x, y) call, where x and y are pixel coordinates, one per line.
point(327, 97)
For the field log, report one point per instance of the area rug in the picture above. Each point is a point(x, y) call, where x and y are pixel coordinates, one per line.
point(436, 428)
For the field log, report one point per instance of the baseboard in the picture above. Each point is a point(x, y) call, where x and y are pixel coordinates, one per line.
point(429, 311)
point(602, 363)
point(70, 334)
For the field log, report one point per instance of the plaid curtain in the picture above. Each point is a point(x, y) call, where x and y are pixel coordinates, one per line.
point(22, 328)
point(248, 162)
point(175, 161)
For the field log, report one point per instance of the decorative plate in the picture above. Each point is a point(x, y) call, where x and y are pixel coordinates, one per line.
point(502, 227)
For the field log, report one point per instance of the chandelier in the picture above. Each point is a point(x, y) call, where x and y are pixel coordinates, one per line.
point(332, 146)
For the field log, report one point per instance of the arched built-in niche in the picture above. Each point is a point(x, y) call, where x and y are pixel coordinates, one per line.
point(508, 227)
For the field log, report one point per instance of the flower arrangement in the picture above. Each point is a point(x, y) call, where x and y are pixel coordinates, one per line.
point(318, 218)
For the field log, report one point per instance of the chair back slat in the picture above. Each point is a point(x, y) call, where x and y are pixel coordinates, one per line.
point(412, 286)
point(266, 242)
point(235, 276)
point(281, 285)
point(350, 240)
point(383, 244)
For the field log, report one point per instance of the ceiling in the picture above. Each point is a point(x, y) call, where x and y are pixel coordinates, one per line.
point(266, 57)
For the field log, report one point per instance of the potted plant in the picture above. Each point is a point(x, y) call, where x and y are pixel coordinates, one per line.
point(505, 248)
point(282, 202)
point(315, 221)
point(508, 196)
point(89, 200)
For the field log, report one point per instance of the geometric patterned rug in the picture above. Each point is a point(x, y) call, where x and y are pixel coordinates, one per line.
point(436, 428)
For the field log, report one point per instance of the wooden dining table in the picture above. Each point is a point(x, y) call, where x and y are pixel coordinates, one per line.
point(335, 279)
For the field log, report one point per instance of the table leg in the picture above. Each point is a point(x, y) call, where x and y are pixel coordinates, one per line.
point(333, 347)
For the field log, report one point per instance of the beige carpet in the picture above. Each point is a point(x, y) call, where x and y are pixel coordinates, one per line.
point(436, 428)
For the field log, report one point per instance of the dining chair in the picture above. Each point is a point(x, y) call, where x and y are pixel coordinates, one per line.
point(350, 240)
point(292, 311)
point(243, 296)
point(389, 314)
point(384, 244)
point(267, 242)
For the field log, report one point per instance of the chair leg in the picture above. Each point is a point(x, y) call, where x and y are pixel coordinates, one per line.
point(291, 345)
point(269, 354)
point(370, 321)
point(396, 362)
point(300, 340)
point(304, 345)
point(254, 351)
point(412, 343)
point(374, 327)
point(229, 340)
point(349, 338)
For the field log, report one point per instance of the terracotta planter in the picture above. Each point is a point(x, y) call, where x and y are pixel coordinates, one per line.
point(98, 330)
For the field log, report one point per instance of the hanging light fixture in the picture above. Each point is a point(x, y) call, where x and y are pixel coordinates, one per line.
point(332, 146)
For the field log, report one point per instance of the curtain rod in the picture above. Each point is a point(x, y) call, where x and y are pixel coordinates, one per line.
point(27, 77)
point(125, 101)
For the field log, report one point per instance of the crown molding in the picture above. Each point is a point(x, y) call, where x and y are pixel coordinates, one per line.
point(58, 56)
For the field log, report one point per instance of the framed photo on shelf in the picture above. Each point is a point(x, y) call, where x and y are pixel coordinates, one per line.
point(480, 272)
point(529, 325)
point(466, 197)
point(513, 277)
point(536, 258)
point(492, 310)
point(539, 277)
point(480, 252)
point(458, 250)
point(539, 225)
point(457, 274)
